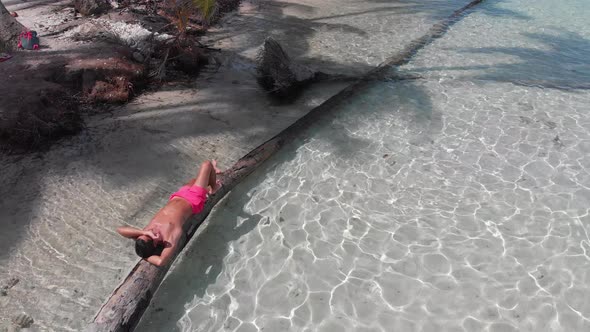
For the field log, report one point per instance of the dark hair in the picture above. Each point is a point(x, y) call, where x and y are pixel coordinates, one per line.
point(145, 249)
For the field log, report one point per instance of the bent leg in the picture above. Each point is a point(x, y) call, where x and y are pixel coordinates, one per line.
point(191, 182)
point(206, 176)
point(180, 207)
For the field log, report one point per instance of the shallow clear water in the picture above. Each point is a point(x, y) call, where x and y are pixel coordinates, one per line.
point(59, 209)
point(455, 202)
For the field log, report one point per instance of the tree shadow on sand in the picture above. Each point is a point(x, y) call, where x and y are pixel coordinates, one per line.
point(561, 64)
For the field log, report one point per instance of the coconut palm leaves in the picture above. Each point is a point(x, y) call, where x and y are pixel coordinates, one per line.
point(207, 9)
point(184, 9)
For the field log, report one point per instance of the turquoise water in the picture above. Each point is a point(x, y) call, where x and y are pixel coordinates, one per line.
point(456, 201)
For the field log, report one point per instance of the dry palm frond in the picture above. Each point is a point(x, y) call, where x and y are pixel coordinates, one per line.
point(160, 72)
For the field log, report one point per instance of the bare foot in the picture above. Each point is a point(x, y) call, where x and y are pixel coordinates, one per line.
point(217, 170)
point(213, 190)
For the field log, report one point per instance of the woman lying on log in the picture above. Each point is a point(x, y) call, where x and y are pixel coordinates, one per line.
point(157, 242)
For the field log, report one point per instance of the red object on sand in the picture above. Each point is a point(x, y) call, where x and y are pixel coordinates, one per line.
point(28, 40)
point(14, 14)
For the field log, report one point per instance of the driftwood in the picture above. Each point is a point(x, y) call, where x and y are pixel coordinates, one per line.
point(124, 308)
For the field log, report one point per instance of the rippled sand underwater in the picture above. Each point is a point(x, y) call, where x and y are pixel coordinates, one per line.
point(455, 202)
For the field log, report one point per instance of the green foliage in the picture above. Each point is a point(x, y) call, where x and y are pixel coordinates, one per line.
point(184, 9)
point(206, 8)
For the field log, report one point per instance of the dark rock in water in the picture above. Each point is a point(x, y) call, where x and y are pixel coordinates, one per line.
point(277, 74)
point(91, 7)
point(283, 78)
point(23, 320)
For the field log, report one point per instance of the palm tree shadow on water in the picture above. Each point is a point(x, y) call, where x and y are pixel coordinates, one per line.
point(439, 9)
point(561, 63)
point(407, 101)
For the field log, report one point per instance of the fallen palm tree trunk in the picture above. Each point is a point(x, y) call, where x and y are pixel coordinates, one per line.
point(124, 308)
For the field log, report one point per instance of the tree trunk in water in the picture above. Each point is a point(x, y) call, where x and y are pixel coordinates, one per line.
point(10, 28)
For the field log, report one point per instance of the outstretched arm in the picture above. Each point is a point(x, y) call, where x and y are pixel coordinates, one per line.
point(131, 232)
point(164, 258)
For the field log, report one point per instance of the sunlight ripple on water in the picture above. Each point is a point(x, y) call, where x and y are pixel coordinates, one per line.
point(454, 202)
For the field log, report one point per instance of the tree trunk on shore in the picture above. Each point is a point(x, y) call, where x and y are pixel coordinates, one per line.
point(10, 29)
